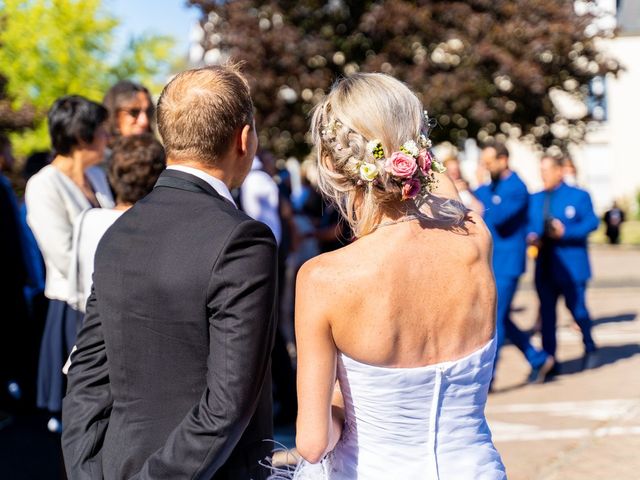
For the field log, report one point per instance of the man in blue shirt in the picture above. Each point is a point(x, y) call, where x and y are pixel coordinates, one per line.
point(505, 202)
point(561, 217)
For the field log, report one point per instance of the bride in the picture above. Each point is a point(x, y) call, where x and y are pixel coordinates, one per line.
point(395, 331)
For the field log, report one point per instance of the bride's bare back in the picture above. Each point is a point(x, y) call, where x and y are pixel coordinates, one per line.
point(408, 295)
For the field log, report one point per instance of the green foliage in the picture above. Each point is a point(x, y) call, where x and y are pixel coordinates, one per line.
point(147, 59)
point(50, 48)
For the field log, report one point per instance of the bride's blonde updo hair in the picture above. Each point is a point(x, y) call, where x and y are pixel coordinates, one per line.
point(359, 109)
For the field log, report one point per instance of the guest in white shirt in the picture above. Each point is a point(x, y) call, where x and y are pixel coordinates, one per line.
point(136, 164)
point(260, 198)
point(55, 196)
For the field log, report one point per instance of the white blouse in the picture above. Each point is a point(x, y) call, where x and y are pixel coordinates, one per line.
point(88, 229)
point(53, 202)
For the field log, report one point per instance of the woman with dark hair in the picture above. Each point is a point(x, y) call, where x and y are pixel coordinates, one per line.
point(55, 196)
point(136, 164)
point(130, 109)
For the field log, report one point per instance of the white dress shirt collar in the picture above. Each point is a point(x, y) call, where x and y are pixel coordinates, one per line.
point(217, 184)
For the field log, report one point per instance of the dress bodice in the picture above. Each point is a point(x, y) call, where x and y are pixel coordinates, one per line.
point(415, 423)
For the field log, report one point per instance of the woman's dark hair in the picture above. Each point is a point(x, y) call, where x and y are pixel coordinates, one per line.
point(136, 164)
point(122, 92)
point(74, 119)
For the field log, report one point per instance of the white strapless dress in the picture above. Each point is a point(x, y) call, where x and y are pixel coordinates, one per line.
point(413, 423)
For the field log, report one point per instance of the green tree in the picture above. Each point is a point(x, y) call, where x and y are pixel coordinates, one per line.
point(482, 67)
point(50, 48)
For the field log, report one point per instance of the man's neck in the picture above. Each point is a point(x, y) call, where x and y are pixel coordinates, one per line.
point(555, 187)
point(505, 173)
point(216, 172)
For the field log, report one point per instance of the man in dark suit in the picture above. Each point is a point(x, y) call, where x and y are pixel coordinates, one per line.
point(561, 218)
point(171, 377)
point(505, 202)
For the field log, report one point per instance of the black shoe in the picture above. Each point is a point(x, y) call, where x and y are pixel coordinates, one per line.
point(590, 360)
point(540, 374)
point(551, 374)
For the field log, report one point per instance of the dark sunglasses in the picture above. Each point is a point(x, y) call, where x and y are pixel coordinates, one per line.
point(135, 112)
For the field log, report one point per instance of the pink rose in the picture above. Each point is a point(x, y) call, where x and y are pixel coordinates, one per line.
point(424, 161)
point(411, 188)
point(401, 165)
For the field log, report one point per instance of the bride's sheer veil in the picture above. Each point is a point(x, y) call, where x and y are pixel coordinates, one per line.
point(359, 109)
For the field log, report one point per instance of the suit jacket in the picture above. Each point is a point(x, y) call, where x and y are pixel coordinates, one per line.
point(171, 378)
point(505, 214)
point(566, 259)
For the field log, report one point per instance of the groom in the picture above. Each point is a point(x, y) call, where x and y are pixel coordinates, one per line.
point(171, 376)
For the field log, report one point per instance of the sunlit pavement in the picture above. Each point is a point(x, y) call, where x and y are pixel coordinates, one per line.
point(583, 424)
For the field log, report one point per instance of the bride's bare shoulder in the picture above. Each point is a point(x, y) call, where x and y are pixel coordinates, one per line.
point(324, 273)
point(319, 266)
point(317, 291)
point(476, 227)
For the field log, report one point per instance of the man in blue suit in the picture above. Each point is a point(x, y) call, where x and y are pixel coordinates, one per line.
point(560, 220)
point(505, 202)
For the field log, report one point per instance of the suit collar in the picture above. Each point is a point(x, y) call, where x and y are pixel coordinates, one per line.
point(185, 181)
point(557, 188)
point(218, 185)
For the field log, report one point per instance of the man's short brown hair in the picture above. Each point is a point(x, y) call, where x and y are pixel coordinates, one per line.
point(200, 110)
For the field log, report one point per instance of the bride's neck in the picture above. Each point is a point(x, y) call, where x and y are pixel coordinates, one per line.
point(396, 211)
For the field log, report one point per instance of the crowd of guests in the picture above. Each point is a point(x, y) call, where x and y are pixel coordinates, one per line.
point(553, 225)
point(106, 157)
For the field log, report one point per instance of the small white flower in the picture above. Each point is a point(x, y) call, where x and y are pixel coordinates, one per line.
point(438, 167)
point(424, 142)
point(368, 172)
point(372, 144)
point(411, 147)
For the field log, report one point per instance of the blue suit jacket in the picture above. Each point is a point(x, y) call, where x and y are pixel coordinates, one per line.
point(505, 214)
point(566, 259)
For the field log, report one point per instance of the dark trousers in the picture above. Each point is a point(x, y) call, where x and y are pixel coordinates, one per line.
point(505, 327)
point(549, 289)
point(58, 339)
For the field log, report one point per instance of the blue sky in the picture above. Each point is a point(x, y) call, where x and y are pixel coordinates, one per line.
point(166, 17)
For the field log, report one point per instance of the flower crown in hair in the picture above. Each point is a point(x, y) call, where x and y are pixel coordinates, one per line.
point(411, 168)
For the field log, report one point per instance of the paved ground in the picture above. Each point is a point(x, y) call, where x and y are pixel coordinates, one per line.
point(583, 425)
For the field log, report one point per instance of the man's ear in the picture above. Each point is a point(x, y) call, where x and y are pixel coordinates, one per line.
point(242, 139)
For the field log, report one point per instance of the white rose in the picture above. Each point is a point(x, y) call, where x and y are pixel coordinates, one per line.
point(411, 147)
point(368, 172)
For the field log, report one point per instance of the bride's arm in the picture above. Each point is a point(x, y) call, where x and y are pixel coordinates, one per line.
point(337, 416)
point(319, 423)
